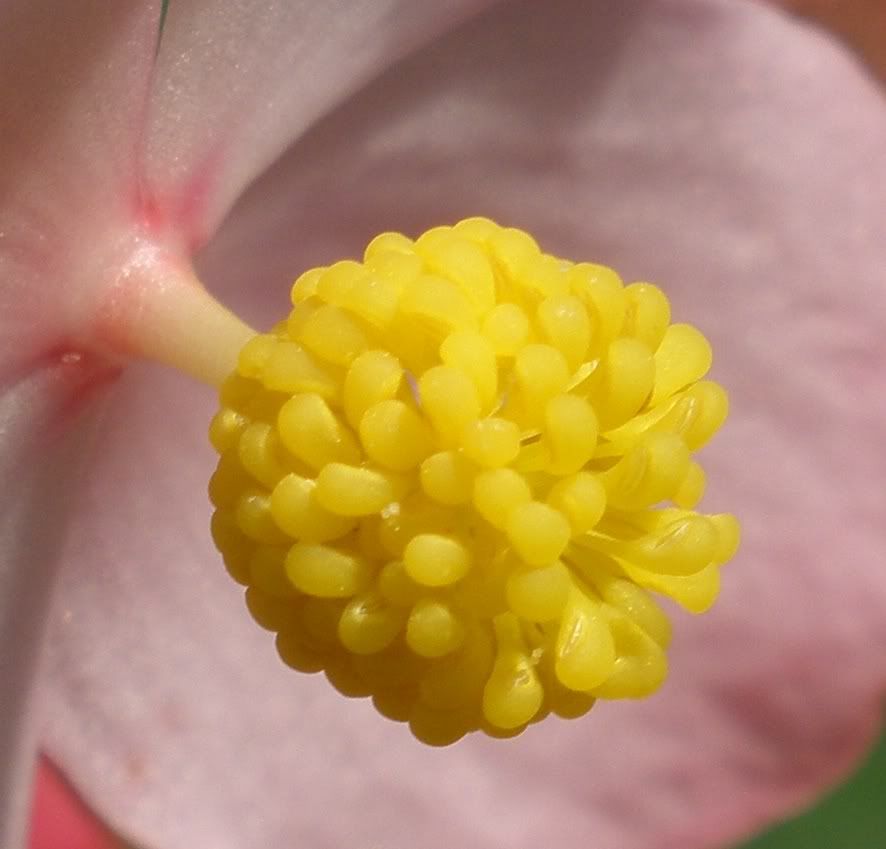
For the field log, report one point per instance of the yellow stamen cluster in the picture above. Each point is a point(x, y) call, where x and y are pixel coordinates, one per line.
point(452, 477)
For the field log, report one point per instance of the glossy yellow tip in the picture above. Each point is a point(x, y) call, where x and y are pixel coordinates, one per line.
point(454, 476)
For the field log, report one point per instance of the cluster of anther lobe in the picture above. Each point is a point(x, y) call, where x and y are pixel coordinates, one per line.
point(452, 478)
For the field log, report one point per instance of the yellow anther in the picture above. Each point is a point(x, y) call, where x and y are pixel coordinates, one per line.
point(585, 650)
point(650, 472)
point(237, 391)
point(635, 603)
point(491, 443)
point(507, 329)
point(454, 681)
point(270, 612)
point(225, 429)
point(228, 482)
point(434, 560)
point(331, 334)
point(397, 587)
point(623, 383)
point(683, 545)
point(255, 354)
point(475, 355)
point(237, 547)
point(565, 325)
point(478, 229)
point(728, 536)
point(498, 493)
point(544, 277)
point(336, 284)
point(259, 451)
point(412, 515)
point(313, 433)
point(570, 433)
point(341, 673)
point(254, 519)
point(641, 666)
point(326, 572)
point(454, 477)
point(306, 286)
point(319, 619)
point(448, 477)
point(290, 368)
point(433, 630)
point(376, 299)
point(369, 624)
point(602, 292)
point(395, 436)
point(374, 376)
point(267, 572)
point(395, 268)
point(438, 306)
point(461, 261)
point(683, 357)
point(698, 415)
point(542, 373)
point(295, 652)
point(647, 315)
point(439, 728)
point(513, 693)
point(386, 243)
point(354, 491)
point(512, 251)
point(581, 498)
point(449, 399)
point(537, 532)
point(298, 513)
point(539, 595)
point(692, 488)
point(394, 668)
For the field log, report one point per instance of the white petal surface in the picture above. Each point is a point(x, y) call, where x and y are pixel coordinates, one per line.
point(713, 147)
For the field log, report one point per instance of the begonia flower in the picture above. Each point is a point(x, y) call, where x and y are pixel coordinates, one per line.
point(717, 147)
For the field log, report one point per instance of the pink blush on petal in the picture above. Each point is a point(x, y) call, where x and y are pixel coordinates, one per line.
point(60, 819)
point(84, 375)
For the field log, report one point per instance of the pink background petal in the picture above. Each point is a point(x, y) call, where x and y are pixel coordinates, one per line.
point(714, 147)
point(237, 81)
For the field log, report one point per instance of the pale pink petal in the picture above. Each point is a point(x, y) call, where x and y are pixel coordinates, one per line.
point(238, 81)
point(861, 22)
point(73, 85)
point(41, 453)
point(73, 90)
point(711, 146)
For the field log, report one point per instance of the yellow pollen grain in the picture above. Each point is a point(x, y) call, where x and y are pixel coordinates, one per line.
point(448, 477)
point(537, 532)
point(353, 490)
point(458, 474)
point(498, 493)
point(491, 443)
point(435, 560)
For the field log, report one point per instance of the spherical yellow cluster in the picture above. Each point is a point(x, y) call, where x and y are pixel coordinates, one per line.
point(451, 478)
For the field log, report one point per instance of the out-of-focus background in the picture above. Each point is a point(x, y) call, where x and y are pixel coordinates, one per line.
point(853, 816)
